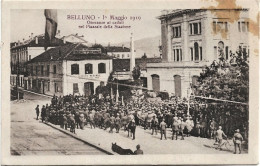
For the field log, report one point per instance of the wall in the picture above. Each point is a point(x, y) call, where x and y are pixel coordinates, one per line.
point(96, 77)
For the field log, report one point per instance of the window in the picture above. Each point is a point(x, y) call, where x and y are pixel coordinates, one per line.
point(74, 69)
point(220, 26)
point(75, 88)
point(243, 26)
point(176, 31)
point(30, 57)
point(54, 69)
point(227, 52)
point(221, 49)
point(200, 53)
point(41, 69)
point(178, 58)
point(48, 70)
point(101, 68)
point(36, 68)
point(56, 88)
point(191, 54)
point(195, 28)
point(48, 85)
point(180, 54)
point(177, 54)
point(196, 51)
point(88, 68)
point(123, 55)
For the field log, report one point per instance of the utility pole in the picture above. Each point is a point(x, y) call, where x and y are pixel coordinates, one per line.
point(188, 112)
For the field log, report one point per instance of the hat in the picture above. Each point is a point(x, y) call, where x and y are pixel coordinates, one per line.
point(138, 146)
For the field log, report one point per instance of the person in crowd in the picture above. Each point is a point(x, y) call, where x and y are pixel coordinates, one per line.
point(219, 137)
point(138, 150)
point(175, 127)
point(117, 123)
point(237, 139)
point(37, 112)
point(154, 125)
point(163, 129)
point(213, 128)
point(182, 127)
point(43, 113)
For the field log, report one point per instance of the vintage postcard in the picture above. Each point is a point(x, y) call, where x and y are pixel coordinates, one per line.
point(130, 82)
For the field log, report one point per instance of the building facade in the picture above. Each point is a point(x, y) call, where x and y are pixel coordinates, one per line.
point(192, 39)
point(69, 69)
point(22, 52)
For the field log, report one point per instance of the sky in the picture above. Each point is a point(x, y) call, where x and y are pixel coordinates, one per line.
point(25, 22)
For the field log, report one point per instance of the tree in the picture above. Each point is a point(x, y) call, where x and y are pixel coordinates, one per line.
point(227, 80)
point(136, 73)
point(103, 50)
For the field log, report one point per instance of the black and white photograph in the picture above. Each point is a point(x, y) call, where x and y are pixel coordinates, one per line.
point(162, 81)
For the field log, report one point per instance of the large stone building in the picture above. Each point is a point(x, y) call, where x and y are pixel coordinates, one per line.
point(192, 39)
point(69, 69)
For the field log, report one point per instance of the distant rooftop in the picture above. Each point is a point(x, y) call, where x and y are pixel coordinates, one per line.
point(117, 49)
point(67, 52)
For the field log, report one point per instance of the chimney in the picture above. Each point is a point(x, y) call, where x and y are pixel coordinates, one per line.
point(36, 40)
point(108, 44)
point(19, 42)
point(123, 46)
point(31, 35)
point(132, 58)
point(64, 40)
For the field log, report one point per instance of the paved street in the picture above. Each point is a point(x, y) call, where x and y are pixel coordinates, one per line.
point(31, 137)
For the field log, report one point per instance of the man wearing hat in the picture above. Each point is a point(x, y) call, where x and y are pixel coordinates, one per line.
point(237, 139)
point(117, 123)
point(163, 129)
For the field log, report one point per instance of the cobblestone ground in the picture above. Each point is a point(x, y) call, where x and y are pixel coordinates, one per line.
point(31, 137)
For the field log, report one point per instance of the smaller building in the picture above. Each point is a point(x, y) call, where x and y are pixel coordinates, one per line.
point(118, 52)
point(24, 51)
point(69, 69)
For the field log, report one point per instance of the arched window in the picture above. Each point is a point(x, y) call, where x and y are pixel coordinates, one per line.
point(196, 50)
point(74, 69)
point(101, 68)
point(221, 49)
point(88, 68)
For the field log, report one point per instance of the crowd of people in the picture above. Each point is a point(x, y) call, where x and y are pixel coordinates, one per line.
point(78, 111)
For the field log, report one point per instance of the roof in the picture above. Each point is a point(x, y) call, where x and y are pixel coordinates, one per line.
point(66, 53)
point(41, 42)
point(124, 64)
point(76, 36)
point(178, 12)
point(117, 49)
